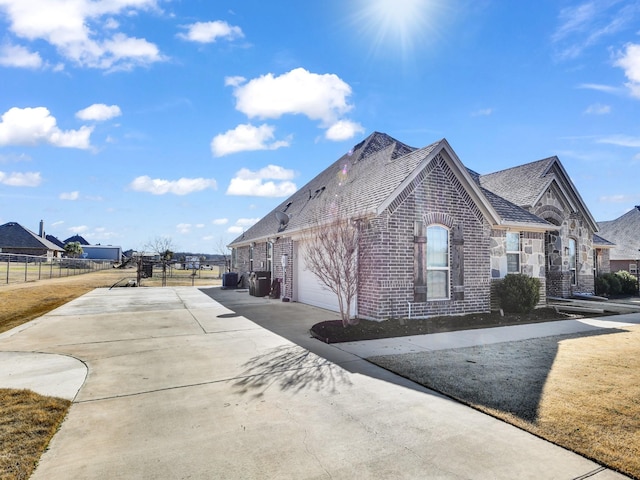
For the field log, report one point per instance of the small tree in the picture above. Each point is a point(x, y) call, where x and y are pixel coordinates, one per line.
point(333, 251)
point(164, 249)
point(223, 249)
point(73, 249)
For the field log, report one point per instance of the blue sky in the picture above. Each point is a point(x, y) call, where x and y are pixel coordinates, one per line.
point(128, 120)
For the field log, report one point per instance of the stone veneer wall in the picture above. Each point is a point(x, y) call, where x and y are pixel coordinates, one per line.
point(553, 208)
point(387, 266)
point(532, 260)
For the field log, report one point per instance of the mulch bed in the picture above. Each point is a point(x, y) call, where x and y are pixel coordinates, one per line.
point(332, 331)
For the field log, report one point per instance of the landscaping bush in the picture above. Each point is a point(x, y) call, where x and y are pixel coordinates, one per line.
point(610, 283)
point(628, 282)
point(518, 293)
point(602, 285)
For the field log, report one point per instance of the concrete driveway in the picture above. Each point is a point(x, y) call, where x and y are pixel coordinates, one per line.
point(179, 385)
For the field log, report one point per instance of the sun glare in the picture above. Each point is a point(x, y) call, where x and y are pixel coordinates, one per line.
point(396, 25)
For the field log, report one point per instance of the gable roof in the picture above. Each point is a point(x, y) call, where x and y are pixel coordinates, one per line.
point(525, 184)
point(53, 239)
point(14, 235)
point(370, 176)
point(76, 238)
point(624, 231)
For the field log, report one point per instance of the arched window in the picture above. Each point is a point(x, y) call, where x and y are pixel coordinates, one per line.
point(573, 260)
point(437, 265)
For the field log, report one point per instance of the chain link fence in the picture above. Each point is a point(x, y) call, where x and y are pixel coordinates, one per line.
point(16, 268)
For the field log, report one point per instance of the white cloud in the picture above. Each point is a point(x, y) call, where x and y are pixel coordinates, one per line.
point(82, 31)
point(209, 32)
point(69, 195)
point(584, 25)
point(343, 130)
point(18, 179)
point(254, 183)
point(80, 229)
point(483, 112)
point(619, 198)
point(598, 109)
point(235, 229)
point(319, 97)
point(629, 61)
point(234, 81)
point(220, 221)
point(247, 222)
point(33, 126)
point(99, 112)
point(621, 141)
point(184, 228)
point(19, 57)
point(599, 87)
point(183, 186)
point(246, 137)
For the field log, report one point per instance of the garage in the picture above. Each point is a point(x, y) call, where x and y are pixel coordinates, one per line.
point(308, 289)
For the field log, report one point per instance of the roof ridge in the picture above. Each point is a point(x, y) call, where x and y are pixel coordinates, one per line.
point(518, 167)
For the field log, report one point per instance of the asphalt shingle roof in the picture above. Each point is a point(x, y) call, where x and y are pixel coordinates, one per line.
point(14, 235)
point(360, 181)
point(520, 185)
point(624, 231)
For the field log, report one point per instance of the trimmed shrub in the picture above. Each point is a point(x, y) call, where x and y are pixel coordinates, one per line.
point(628, 283)
point(602, 285)
point(518, 293)
point(611, 284)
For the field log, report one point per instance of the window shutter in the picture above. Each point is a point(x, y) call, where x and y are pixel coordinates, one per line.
point(457, 262)
point(419, 262)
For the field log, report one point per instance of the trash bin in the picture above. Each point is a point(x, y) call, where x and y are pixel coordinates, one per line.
point(263, 284)
point(230, 280)
point(147, 270)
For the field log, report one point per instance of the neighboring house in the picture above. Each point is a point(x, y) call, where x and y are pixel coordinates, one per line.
point(436, 235)
point(16, 239)
point(624, 232)
point(76, 238)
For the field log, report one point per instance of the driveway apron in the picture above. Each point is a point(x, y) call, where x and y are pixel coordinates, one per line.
point(180, 386)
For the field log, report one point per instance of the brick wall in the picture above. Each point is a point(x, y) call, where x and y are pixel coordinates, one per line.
point(386, 289)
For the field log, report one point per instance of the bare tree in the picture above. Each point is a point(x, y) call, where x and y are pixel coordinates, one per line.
point(332, 255)
point(162, 247)
point(223, 249)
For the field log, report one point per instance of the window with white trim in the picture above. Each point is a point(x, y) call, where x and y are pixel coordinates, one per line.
point(437, 263)
point(633, 268)
point(573, 261)
point(269, 256)
point(513, 252)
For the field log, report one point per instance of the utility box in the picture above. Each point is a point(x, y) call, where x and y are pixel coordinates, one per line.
point(259, 284)
point(230, 280)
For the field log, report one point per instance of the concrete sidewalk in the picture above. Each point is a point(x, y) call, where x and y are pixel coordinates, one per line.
point(181, 386)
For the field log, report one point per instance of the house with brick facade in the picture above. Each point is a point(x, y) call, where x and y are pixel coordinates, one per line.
point(437, 235)
point(624, 232)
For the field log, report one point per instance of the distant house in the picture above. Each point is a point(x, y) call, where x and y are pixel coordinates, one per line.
point(437, 235)
point(624, 232)
point(76, 238)
point(16, 239)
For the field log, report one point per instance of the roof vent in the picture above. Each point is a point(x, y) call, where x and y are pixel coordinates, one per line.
point(283, 220)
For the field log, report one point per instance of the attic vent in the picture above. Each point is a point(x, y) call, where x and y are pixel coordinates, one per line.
point(318, 192)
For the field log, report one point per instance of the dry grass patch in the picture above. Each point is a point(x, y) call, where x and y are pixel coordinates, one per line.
point(579, 391)
point(27, 423)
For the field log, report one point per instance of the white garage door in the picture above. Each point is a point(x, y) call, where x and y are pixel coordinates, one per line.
point(310, 290)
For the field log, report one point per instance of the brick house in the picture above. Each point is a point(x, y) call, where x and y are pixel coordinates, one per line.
point(437, 235)
point(16, 239)
point(624, 232)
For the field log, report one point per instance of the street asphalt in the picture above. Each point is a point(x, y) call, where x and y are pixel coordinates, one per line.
point(209, 383)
